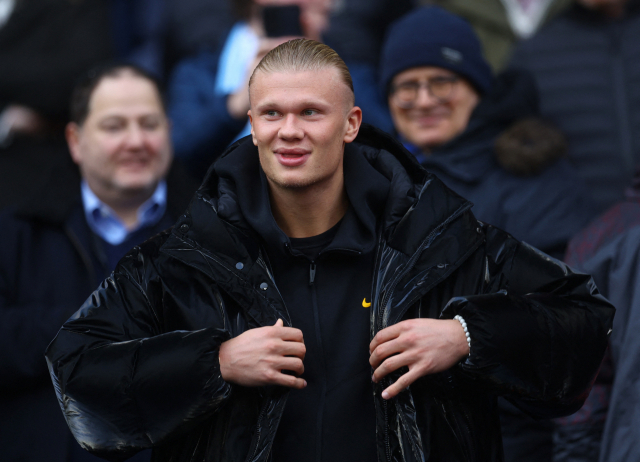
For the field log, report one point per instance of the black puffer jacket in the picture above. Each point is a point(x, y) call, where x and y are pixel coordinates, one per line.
point(137, 366)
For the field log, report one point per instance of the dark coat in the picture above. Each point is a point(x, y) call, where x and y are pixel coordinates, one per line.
point(586, 69)
point(608, 249)
point(137, 365)
point(48, 266)
point(511, 167)
point(616, 267)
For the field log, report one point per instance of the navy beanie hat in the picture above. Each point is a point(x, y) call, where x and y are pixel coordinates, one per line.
point(431, 36)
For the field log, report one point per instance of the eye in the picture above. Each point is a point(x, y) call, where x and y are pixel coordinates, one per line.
point(271, 113)
point(309, 112)
point(112, 127)
point(151, 123)
point(112, 124)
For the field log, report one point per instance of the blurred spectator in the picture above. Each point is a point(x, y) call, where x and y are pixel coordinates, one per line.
point(44, 46)
point(616, 269)
point(606, 249)
point(208, 97)
point(478, 133)
point(586, 65)
point(500, 24)
point(69, 236)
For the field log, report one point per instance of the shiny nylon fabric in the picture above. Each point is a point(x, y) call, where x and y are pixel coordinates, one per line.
point(137, 366)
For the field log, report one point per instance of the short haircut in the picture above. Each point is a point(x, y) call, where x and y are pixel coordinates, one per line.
point(86, 85)
point(301, 55)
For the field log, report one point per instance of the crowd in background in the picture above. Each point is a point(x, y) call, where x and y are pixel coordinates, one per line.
point(549, 148)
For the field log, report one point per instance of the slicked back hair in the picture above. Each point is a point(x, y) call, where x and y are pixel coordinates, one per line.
point(86, 85)
point(302, 55)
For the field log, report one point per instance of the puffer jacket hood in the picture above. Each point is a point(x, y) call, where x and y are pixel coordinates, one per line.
point(137, 366)
point(507, 121)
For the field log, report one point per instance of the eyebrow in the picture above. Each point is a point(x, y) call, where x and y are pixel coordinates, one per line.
point(305, 104)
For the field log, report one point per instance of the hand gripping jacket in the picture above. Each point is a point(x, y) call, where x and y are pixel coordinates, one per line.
point(137, 366)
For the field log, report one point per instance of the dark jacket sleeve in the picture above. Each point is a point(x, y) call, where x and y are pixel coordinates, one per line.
point(123, 382)
point(539, 332)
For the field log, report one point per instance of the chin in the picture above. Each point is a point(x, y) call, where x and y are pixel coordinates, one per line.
point(293, 182)
point(138, 185)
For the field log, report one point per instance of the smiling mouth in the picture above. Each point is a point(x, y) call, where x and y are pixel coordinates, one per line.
point(292, 157)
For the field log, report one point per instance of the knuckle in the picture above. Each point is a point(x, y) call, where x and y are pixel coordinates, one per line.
point(390, 364)
point(270, 375)
point(412, 337)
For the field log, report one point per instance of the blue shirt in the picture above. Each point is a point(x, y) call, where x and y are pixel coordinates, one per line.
point(105, 223)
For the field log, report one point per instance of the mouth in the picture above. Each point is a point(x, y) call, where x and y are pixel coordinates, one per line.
point(428, 120)
point(292, 157)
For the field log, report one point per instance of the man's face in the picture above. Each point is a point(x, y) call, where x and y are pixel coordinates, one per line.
point(123, 147)
point(300, 122)
point(429, 121)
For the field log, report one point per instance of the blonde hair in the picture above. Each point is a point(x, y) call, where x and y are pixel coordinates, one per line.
point(301, 55)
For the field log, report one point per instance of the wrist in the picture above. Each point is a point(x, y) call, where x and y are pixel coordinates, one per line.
point(463, 324)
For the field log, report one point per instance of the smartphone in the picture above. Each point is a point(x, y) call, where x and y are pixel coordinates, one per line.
point(282, 21)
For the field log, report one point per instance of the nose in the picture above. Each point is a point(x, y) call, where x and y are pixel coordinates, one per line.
point(290, 128)
point(424, 98)
point(135, 137)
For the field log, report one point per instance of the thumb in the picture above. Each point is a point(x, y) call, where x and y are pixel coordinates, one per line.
point(279, 323)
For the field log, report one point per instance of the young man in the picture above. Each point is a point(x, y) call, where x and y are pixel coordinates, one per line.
point(314, 254)
point(58, 245)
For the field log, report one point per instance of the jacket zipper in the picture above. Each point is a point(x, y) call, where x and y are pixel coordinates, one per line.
point(385, 404)
point(312, 273)
point(256, 437)
point(392, 287)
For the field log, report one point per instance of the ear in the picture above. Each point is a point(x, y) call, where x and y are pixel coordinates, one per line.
point(72, 134)
point(354, 120)
point(253, 133)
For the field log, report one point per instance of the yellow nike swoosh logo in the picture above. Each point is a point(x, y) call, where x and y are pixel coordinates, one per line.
point(365, 304)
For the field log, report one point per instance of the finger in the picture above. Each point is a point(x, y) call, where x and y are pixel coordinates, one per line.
point(290, 381)
point(389, 365)
point(384, 336)
point(291, 349)
point(401, 384)
point(290, 334)
point(294, 365)
point(279, 323)
point(385, 350)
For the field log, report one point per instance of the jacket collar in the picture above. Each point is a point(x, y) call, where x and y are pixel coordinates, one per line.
point(411, 220)
point(416, 201)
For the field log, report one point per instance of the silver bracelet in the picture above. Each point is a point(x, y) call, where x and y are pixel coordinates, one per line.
point(463, 323)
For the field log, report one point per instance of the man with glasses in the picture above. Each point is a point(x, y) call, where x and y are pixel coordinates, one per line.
point(479, 134)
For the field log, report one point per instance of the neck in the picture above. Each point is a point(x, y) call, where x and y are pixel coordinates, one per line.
point(310, 212)
point(125, 206)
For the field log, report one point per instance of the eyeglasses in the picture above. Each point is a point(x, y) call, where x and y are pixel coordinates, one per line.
point(405, 94)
